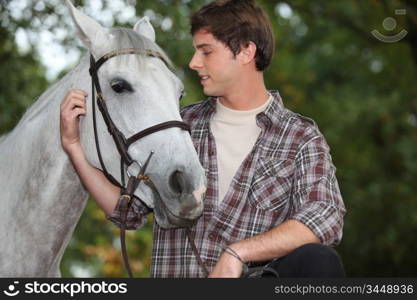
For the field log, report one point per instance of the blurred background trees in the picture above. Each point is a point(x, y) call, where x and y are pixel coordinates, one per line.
point(361, 91)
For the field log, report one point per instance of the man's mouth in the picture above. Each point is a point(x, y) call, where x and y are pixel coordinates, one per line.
point(204, 78)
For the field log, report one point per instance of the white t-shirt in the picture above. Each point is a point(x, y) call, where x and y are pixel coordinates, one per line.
point(235, 133)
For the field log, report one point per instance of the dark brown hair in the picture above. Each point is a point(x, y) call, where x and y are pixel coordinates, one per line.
point(236, 23)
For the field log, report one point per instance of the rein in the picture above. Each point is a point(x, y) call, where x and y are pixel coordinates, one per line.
point(122, 143)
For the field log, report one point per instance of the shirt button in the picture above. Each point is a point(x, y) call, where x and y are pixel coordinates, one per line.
point(212, 236)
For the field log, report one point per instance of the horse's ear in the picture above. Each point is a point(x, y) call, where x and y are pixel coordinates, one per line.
point(145, 28)
point(88, 30)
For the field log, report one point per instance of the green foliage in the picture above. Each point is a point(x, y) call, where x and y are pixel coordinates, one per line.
point(361, 92)
point(23, 78)
point(94, 250)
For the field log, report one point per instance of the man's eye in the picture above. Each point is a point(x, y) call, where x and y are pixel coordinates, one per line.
point(121, 86)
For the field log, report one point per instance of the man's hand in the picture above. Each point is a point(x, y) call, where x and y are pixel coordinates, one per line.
point(227, 267)
point(73, 106)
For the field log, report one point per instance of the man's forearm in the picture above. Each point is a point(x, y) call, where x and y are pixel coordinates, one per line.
point(276, 242)
point(104, 193)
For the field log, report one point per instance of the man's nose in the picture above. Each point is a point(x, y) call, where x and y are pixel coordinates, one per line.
point(195, 62)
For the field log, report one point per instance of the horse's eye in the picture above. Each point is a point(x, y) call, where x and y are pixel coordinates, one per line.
point(182, 94)
point(120, 86)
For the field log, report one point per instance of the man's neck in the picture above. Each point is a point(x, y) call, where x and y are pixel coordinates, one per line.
point(248, 94)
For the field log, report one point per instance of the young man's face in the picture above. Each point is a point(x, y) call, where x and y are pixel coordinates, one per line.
point(215, 63)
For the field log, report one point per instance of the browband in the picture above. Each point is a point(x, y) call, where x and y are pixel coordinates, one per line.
point(104, 58)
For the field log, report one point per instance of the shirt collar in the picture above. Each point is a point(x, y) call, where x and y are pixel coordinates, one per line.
point(275, 108)
point(273, 112)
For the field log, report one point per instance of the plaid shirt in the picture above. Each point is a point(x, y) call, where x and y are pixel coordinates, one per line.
point(288, 174)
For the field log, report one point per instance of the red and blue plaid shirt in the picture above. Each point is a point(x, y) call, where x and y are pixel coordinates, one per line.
point(289, 174)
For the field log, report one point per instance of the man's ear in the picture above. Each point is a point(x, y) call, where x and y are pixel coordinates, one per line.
point(247, 53)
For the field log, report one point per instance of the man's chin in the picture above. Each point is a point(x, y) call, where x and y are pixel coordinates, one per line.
point(211, 93)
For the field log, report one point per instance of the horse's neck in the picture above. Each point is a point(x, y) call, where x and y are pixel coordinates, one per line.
point(42, 197)
point(35, 140)
point(45, 106)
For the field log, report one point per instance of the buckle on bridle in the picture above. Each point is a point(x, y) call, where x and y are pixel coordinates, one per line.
point(134, 181)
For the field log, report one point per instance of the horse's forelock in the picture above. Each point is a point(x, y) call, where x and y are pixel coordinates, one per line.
point(128, 38)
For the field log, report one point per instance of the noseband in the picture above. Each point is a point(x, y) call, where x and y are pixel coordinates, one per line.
point(123, 143)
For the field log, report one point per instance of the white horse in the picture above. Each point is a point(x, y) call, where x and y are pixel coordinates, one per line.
point(42, 197)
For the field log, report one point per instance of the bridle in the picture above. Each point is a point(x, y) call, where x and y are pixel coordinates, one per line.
point(123, 143)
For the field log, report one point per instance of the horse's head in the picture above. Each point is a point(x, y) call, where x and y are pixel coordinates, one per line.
point(140, 91)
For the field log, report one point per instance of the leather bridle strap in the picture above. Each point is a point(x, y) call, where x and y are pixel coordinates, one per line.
point(122, 144)
point(156, 128)
point(196, 253)
point(114, 53)
point(97, 142)
point(126, 197)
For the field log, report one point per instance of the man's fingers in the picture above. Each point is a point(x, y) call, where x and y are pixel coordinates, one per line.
point(76, 112)
point(81, 92)
point(72, 97)
point(70, 105)
point(77, 103)
point(75, 93)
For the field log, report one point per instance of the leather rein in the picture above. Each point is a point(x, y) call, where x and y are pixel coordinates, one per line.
point(122, 144)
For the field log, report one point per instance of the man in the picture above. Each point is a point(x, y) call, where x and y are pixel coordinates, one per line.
point(272, 195)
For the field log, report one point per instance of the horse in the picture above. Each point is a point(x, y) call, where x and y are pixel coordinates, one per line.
point(42, 198)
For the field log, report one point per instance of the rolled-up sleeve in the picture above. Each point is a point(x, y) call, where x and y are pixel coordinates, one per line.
point(316, 191)
point(136, 214)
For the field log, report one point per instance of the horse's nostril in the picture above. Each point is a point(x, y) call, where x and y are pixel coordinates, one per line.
point(176, 182)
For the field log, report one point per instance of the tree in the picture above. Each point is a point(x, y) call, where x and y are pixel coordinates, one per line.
point(21, 72)
point(359, 90)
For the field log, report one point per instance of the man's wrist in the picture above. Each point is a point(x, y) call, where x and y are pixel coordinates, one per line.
point(229, 251)
point(75, 152)
point(72, 148)
point(236, 247)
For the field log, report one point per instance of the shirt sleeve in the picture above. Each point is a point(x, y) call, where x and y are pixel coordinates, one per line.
point(316, 192)
point(136, 215)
